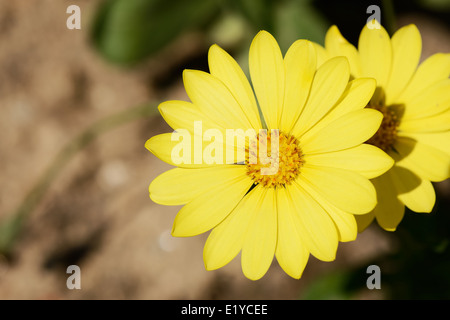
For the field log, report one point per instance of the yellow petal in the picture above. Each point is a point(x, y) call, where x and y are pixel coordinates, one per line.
point(424, 160)
point(261, 238)
point(434, 69)
point(226, 239)
point(291, 252)
point(329, 83)
point(204, 213)
point(183, 115)
point(406, 51)
point(435, 123)
point(322, 54)
point(267, 74)
point(311, 221)
point(344, 222)
point(161, 146)
point(300, 65)
point(227, 70)
point(179, 186)
point(337, 45)
point(364, 220)
point(375, 51)
point(437, 140)
point(171, 148)
point(347, 190)
point(367, 160)
point(214, 99)
point(433, 100)
point(348, 131)
point(389, 210)
point(417, 194)
point(355, 97)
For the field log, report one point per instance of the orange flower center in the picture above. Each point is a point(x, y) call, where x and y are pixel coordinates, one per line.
point(273, 163)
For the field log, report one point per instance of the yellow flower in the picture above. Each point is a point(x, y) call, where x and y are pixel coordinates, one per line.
point(415, 102)
point(320, 122)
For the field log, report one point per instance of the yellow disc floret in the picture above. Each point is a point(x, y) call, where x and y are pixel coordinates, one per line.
point(284, 161)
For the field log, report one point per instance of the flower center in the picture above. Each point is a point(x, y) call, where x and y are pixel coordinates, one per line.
point(385, 137)
point(276, 163)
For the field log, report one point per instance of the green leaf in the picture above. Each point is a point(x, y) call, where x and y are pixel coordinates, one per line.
point(128, 31)
point(299, 19)
point(259, 13)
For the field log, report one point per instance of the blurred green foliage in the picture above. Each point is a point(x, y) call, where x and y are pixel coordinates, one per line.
point(127, 32)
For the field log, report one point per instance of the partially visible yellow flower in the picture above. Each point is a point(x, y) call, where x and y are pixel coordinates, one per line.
point(415, 102)
point(308, 204)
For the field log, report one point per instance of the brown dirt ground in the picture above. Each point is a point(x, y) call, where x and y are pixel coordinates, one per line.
point(97, 213)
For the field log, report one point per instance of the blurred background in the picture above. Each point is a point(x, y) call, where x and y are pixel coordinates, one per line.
point(77, 107)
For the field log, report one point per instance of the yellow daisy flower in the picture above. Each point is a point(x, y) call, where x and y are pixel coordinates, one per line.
point(308, 204)
point(415, 102)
